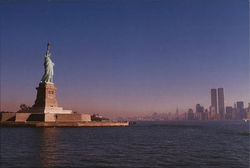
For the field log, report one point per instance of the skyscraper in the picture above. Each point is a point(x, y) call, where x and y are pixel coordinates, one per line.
point(221, 103)
point(212, 113)
point(190, 114)
point(199, 111)
point(229, 113)
point(240, 110)
point(214, 99)
point(248, 111)
point(177, 114)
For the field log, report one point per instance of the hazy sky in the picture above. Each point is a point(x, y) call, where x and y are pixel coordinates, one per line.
point(127, 57)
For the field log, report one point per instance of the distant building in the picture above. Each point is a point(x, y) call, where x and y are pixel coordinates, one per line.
point(240, 110)
point(221, 103)
point(177, 114)
point(229, 113)
point(248, 111)
point(212, 113)
point(235, 115)
point(199, 112)
point(205, 115)
point(214, 99)
point(190, 114)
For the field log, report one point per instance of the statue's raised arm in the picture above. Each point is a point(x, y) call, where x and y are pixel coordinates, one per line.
point(48, 49)
point(48, 67)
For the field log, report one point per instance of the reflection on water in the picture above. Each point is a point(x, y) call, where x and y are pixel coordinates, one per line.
point(147, 144)
point(49, 146)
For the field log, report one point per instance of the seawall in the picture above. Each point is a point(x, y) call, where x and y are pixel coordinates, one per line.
point(63, 124)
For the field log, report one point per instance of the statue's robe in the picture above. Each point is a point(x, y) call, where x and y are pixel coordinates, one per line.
point(49, 72)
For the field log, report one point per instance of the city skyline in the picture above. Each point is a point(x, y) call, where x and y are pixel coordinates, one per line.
point(238, 111)
point(126, 58)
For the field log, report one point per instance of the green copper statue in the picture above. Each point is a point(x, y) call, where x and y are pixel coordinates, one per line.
point(48, 67)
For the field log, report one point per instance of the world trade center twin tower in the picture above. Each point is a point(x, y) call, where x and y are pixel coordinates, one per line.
point(218, 106)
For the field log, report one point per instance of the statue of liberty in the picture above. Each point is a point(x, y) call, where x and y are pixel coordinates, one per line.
point(48, 67)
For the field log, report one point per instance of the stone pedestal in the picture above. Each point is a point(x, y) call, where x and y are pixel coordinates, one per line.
point(46, 95)
point(46, 100)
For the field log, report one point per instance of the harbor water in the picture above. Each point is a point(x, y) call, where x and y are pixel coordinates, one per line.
point(187, 144)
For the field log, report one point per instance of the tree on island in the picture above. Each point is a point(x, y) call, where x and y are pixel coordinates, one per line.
point(24, 108)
